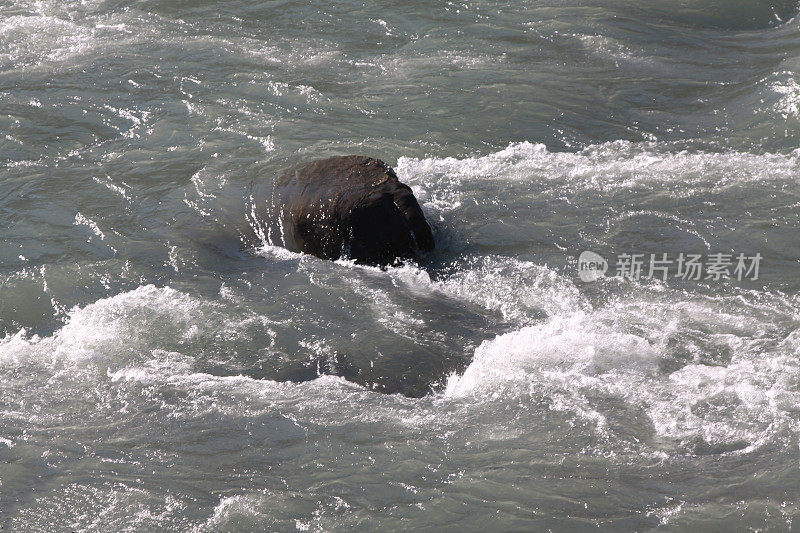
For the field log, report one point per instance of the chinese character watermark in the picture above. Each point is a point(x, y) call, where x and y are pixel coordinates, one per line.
point(694, 267)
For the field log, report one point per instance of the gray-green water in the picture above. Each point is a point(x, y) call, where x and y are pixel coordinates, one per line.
point(160, 371)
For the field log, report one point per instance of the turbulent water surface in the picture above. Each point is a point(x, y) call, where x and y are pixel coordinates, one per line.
point(164, 366)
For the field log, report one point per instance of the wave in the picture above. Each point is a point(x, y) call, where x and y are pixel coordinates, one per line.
point(607, 166)
point(708, 374)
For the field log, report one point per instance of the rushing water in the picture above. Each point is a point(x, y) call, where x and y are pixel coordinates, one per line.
point(159, 370)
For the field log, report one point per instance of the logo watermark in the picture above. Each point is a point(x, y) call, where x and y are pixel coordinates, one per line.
point(591, 266)
point(716, 266)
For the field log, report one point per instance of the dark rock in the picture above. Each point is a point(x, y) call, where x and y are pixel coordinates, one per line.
point(349, 206)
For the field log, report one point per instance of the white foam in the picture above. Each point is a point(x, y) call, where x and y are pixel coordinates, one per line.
point(613, 49)
point(159, 367)
point(33, 40)
point(231, 507)
point(577, 359)
point(515, 288)
point(607, 166)
point(788, 91)
point(279, 252)
point(572, 344)
point(303, 510)
point(108, 328)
